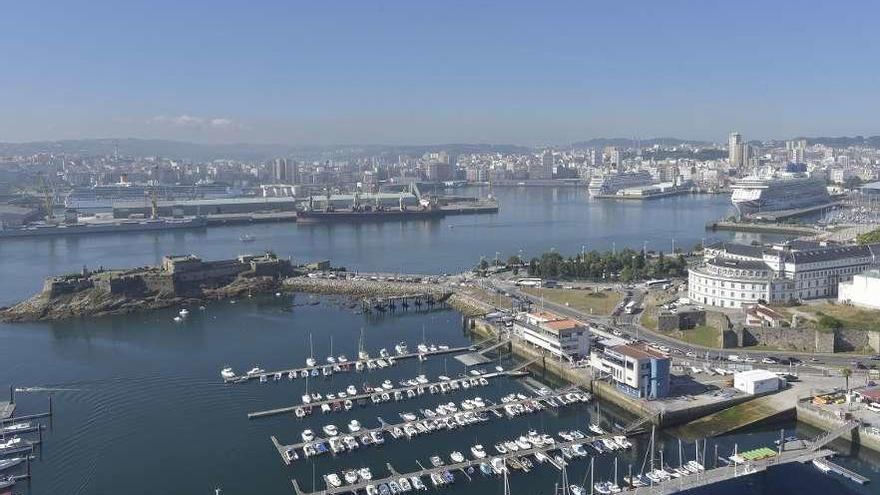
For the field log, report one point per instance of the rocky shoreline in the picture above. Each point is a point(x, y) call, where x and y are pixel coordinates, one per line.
point(95, 302)
point(92, 302)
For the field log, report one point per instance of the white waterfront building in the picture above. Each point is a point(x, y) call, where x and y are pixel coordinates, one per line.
point(735, 275)
point(863, 290)
point(561, 337)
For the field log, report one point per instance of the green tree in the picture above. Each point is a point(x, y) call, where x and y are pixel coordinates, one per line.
point(871, 237)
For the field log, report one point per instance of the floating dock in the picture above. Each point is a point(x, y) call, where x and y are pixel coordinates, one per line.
point(362, 398)
point(846, 473)
point(346, 367)
point(387, 427)
point(459, 466)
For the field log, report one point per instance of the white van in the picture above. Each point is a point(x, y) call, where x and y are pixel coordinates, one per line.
point(873, 406)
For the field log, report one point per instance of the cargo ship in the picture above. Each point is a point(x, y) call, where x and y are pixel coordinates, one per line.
point(103, 227)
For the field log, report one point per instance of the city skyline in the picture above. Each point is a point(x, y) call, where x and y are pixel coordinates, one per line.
point(421, 74)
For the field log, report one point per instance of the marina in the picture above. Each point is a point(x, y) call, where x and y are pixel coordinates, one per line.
point(386, 393)
point(452, 418)
point(341, 365)
point(535, 445)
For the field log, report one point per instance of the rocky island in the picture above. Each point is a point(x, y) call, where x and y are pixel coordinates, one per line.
point(179, 280)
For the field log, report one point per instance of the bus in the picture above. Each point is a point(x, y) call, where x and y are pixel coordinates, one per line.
point(528, 282)
point(630, 308)
point(650, 284)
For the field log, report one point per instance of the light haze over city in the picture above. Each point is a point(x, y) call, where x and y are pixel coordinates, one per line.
point(420, 73)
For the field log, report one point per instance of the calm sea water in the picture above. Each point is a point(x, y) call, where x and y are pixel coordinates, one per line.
point(140, 408)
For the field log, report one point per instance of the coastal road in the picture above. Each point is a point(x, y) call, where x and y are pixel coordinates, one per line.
point(629, 324)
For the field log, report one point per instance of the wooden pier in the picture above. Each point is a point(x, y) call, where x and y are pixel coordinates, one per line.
point(459, 466)
point(387, 427)
point(364, 397)
point(348, 366)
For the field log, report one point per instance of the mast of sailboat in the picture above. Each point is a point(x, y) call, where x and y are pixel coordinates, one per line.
point(680, 460)
point(506, 484)
point(331, 345)
point(615, 470)
point(652, 447)
point(311, 348)
point(592, 473)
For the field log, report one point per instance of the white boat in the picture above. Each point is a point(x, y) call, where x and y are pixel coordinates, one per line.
point(354, 426)
point(478, 451)
point(595, 428)
point(417, 483)
point(500, 448)
point(351, 390)
point(405, 485)
point(177, 319)
point(401, 348)
point(310, 361)
point(498, 466)
point(351, 477)
point(330, 430)
point(307, 435)
point(183, 313)
point(334, 480)
point(456, 457)
point(263, 379)
point(387, 385)
point(365, 474)
point(821, 465)
point(227, 373)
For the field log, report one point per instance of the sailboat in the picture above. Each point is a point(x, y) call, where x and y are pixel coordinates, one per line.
point(310, 361)
point(362, 353)
point(331, 359)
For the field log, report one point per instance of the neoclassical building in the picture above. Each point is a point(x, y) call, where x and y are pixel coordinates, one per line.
point(732, 275)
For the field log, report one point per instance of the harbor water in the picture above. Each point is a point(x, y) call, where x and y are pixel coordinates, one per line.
point(140, 407)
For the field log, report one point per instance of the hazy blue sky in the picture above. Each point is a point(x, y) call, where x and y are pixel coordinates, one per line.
point(432, 72)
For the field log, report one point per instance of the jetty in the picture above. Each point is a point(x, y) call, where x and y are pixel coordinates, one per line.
point(458, 466)
point(363, 397)
point(549, 400)
point(348, 365)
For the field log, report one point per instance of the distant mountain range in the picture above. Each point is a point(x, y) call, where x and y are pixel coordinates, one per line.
point(183, 150)
point(239, 151)
point(629, 143)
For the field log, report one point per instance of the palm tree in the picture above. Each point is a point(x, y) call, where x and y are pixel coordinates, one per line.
point(846, 372)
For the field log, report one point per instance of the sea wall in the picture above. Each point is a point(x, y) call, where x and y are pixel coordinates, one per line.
point(823, 420)
point(363, 288)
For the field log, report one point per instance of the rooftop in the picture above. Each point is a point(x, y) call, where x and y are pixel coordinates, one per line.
point(756, 374)
point(638, 351)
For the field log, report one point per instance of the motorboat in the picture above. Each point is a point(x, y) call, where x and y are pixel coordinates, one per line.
point(541, 457)
point(602, 487)
point(331, 430)
point(387, 385)
point(372, 490)
point(351, 477)
point(365, 474)
point(498, 466)
point(351, 390)
point(456, 457)
point(334, 480)
point(256, 370)
point(478, 451)
point(417, 483)
point(306, 398)
point(405, 485)
point(523, 443)
point(577, 490)
point(500, 448)
point(595, 428)
point(308, 435)
point(10, 463)
point(227, 373)
point(401, 348)
point(183, 313)
point(394, 487)
point(436, 461)
point(354, 426)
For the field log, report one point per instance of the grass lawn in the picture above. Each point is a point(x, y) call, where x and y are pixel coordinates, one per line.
point(587, 301)
point(851, 317)
point(701, 335)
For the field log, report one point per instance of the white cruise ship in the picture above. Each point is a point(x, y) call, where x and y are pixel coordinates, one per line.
point(784, 191)
point(609, 184)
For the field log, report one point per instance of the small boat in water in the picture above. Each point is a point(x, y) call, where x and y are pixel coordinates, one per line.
point(456, 457)
point(246, 238)
point(227, 373)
